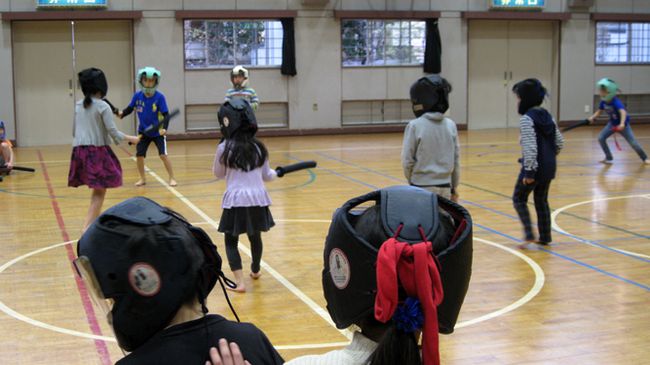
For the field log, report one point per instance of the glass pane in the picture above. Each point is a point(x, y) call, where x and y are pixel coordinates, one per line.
point(376, 43)
point(612, 42)
point(354, 42)
point(222, 43)
point(640, 48)
point(195, 44)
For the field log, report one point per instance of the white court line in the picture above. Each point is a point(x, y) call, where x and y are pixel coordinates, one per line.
point(537, 286)
point(557, 227)
point(37, 323)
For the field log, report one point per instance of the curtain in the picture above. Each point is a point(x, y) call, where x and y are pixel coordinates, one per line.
point(288, 48)
point(432, 48)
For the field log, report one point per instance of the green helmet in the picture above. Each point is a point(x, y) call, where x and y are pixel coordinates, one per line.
point(150, 73)
point(610, 86)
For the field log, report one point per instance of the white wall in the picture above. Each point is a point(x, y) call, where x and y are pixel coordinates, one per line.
point(315, 92)
point(158, 42)
point(576, 68)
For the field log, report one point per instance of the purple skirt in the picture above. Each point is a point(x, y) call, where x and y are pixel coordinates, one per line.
point(95, 166)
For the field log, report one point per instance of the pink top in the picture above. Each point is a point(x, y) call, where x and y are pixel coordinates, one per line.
point(243, 189)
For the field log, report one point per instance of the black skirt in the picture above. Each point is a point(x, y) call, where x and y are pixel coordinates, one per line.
point(238, 220)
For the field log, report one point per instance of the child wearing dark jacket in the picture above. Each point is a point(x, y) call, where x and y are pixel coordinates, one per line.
point(541, 142)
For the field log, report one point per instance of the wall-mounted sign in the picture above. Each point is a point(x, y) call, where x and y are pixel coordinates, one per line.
point(517, 4)
point(63, 4)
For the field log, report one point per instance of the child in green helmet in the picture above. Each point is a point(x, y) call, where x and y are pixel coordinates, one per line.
point(151, 106)
point(619, 120)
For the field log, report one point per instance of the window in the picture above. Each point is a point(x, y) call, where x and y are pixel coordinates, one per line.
point(382, 42)
point(620, 43)
point(226, 43)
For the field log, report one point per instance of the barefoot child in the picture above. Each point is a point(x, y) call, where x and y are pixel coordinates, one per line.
point(243, 161)
point(151, 107)
point(93, 163)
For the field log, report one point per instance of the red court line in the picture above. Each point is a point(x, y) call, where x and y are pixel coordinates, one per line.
point(100, 345)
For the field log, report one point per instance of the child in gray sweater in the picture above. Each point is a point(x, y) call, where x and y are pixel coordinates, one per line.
point(431, 151)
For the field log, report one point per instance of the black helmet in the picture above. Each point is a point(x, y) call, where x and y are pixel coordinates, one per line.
point(349, 274)
point(146, 260)
point(430, 94)
point(236, 117)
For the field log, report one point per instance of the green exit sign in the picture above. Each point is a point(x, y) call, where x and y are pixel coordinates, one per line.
point(517, 4)
point(62, 4)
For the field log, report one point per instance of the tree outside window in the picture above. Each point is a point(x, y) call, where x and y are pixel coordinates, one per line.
point(226, 43)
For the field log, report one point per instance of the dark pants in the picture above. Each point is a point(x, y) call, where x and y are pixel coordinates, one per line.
point(234, 260)
point(520, 202)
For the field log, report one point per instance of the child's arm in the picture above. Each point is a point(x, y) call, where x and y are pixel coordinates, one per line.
point(109, 124)
point(255, 101)
point(455, 175)
point(268, 173)
point(559, 139)
point(409, 146)
point(596, 114)
point(529, 147)
point(129, 109)
point(623, 114)
point(5, 149)
point(218, 169)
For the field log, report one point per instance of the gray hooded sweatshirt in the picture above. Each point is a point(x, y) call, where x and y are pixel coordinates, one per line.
point(431, 152)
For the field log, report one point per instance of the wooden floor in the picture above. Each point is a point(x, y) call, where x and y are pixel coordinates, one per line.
point(586, 300)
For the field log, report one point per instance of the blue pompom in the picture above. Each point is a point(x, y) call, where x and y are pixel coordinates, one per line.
point(408, 317)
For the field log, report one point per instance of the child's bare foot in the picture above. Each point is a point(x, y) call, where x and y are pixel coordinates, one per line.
point(140, 182)
point(172, 182)
point(606, 162)
point(647, 162)
point(239, 289)
point(239, 279)
point(256, 275)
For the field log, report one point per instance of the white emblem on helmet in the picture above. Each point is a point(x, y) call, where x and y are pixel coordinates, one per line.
point(144, 279)
point(339, 268)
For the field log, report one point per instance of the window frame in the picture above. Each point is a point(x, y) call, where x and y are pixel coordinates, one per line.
point(628, 23)
point(390, 19)
point(228, 67)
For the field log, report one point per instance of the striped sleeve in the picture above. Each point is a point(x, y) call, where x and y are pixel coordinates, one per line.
point(528, 146)
point(559, 139)
point(255, 101)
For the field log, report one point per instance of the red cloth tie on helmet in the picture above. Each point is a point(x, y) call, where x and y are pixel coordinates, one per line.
point(415, 268)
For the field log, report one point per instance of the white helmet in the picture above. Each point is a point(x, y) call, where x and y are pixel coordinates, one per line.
point(241, 71)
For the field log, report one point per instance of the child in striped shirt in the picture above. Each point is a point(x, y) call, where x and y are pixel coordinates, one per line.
point(240, 89)
point(541, 142)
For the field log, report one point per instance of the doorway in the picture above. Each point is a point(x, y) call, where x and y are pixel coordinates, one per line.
point(501, 53)
point(45, 84)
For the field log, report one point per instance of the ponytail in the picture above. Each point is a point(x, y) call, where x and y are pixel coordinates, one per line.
point(87, 101)
point(396, 347)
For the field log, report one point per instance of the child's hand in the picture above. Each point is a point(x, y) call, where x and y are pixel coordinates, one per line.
point(528, 180)
point(163, 131)
point(228, 354)
point(590, 119)
point(120, 114)
point(132, 139)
